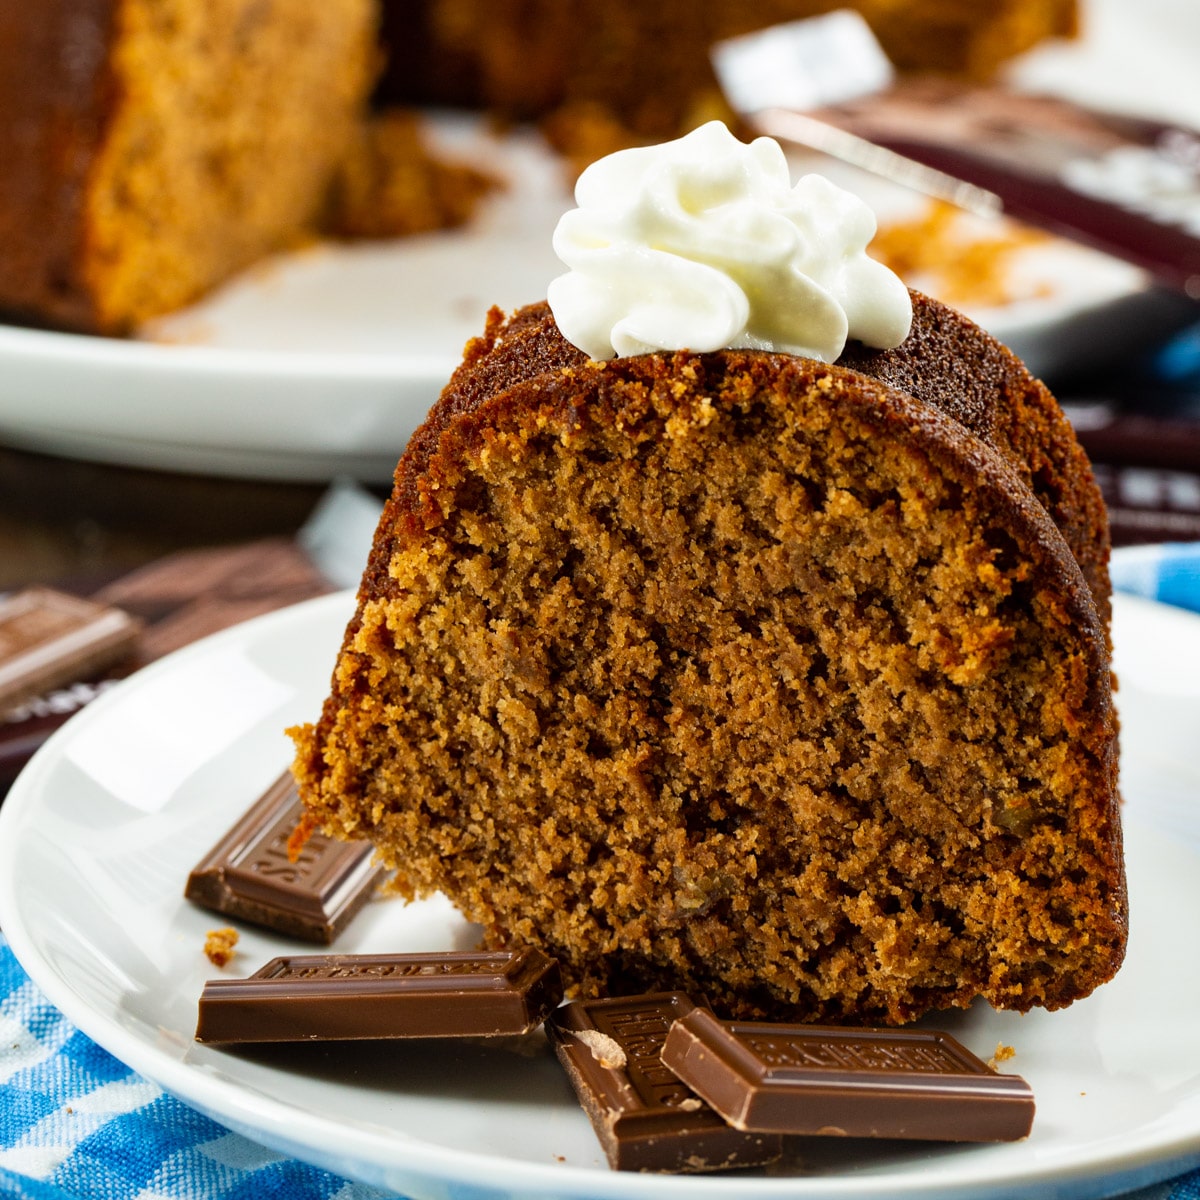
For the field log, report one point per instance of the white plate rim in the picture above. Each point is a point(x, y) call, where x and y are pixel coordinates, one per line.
point(47, 345)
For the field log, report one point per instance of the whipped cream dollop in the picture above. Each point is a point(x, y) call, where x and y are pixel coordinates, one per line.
point(704, 244)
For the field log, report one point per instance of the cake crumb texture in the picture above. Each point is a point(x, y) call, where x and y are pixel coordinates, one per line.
point(392, 183)
point(736, 673)
point(220, 945)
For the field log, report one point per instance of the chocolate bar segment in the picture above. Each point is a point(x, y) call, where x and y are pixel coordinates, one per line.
point(249, 875)
point(645, 1118)
point(48, 638)
point(813, 1079)
point(347, 997)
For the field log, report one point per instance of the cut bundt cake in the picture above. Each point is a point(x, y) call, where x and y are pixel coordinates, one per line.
point(783, 682)
point(152, 148)
point(648, 64)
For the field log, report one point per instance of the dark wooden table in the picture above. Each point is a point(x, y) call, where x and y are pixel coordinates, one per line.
point(62, 519)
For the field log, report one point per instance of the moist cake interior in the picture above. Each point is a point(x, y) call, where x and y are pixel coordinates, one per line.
point(740, 674)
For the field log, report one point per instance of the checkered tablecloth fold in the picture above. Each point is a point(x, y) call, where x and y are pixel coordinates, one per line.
point(1167, 571)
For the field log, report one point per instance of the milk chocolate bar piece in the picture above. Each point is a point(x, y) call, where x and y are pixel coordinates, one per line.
point(48, 638)
point(344, 997)
point(248, 874)
point(645, 1118)
point(812, 1079)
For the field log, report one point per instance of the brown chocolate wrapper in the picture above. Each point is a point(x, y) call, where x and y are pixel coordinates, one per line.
point(1120, 184)
point(177, 600)
point(49, 638)
point(1146, 457)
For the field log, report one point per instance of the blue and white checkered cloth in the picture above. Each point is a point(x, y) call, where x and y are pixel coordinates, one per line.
point(77, 1124)
point(1169, 572)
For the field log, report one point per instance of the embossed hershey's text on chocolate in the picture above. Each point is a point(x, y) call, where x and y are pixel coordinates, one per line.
point(419, 970)
point(884, 1052)
point(645, 1118)
point(344, 997)
point(814, 1079)
point(249, 875)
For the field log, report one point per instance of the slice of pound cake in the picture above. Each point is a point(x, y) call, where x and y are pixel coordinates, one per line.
point(701, 662)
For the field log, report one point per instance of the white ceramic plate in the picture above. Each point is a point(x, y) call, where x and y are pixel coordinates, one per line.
point(311, 366)
point(321, 363)
point(98, 834)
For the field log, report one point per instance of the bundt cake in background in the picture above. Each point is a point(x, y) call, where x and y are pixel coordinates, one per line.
point(741, 670)
point(647, 63)
point(152, 148)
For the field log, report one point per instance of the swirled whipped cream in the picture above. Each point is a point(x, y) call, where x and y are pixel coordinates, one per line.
point(704, 243)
